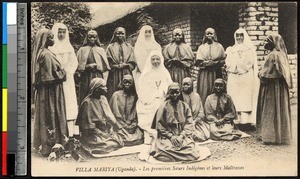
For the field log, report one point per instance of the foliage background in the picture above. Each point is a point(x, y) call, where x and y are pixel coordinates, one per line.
point(76, 16)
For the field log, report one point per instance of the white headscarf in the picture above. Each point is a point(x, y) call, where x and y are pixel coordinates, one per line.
point(247, 41)
point(144, 46)
point(150, 75)
point(61, 46)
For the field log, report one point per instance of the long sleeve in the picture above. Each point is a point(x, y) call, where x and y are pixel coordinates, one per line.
point(230, 110)
point(161, 124)
point(188, 127)
point(209, 111)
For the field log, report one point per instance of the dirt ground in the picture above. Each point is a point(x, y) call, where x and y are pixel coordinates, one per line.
point(254, 157)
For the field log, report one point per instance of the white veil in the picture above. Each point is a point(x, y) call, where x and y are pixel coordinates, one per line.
point(149, 75)
point(61, 46)
point(144, 46)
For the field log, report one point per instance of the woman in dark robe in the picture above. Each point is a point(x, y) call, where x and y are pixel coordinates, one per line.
point(174, 124)
point(210, 58)
point(92, 63)
point(195, 103)
point(121, 60)
point(97, 122)
point(220, 114)
point(273, 110)
point(123, 106)
point(50, 125)
point(178, 57)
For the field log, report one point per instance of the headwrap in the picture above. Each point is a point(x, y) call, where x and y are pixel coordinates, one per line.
point(95, 84)
point(209, 30)
point(284, 67)
point(61, 46)
point(39, 44)
point(173, 86)
point(182, 35)
point(143, 46)
point(114, 38)
point(86, 40)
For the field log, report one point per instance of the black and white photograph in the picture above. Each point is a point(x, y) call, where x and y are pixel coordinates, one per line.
point(164, 89)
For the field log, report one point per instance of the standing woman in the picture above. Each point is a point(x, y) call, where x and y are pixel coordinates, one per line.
point(50, 125)
point(65, 54)
point(178, 57)
point(144, 45)
point(210, 57)
point(273, 111)
point(121, 60)
point(153, 85)
point(243, 83)
point(92, 63)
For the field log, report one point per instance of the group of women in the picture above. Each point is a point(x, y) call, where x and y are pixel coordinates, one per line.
point(150, 96)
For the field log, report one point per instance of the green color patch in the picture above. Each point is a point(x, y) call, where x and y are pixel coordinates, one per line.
point(4, 66)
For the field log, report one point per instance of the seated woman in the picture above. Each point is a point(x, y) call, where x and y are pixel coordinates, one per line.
point(220, 113)
point(153, 86)
point(123, 106)
point(96, 121)
point(194, 101)
point(174, 125)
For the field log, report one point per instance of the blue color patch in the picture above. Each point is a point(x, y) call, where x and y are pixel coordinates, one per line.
point(4, 23)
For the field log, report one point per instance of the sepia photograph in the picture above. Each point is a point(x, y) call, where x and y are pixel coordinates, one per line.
point(164, 89)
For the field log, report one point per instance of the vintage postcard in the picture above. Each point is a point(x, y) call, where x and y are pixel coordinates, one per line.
point(164, 89)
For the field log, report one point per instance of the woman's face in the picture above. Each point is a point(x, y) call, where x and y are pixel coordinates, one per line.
point(148, 34)
point(92, 38)
point(155, 61)
point(186, 86)
point(268, 45)
point(209, 36)
point(219, 88)
point(239, 38)
point(174, 94)
point(102, 90)
point(120, 34)
point(177, 36)
point(61, 34)
point(50, 39)
point(127, 84)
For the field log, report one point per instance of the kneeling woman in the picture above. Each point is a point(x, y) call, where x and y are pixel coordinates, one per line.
point(96, 121)
point(174, 125)
point(220, 114)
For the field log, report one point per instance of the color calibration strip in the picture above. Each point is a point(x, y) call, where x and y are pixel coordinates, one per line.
point(4, 89)
point(9, 89)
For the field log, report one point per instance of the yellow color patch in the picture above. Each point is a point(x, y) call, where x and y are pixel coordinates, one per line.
point(4, 110)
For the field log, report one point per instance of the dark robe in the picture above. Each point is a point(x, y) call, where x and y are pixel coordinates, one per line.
point(86, 56)
point(50, 125)
point(208, 74)
point(171, 121)
point(117, 54)
point(273, 109)
point(216, 109)
point(202, 128)
point(96, 121)
point(123, 107)
point(183, 53)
